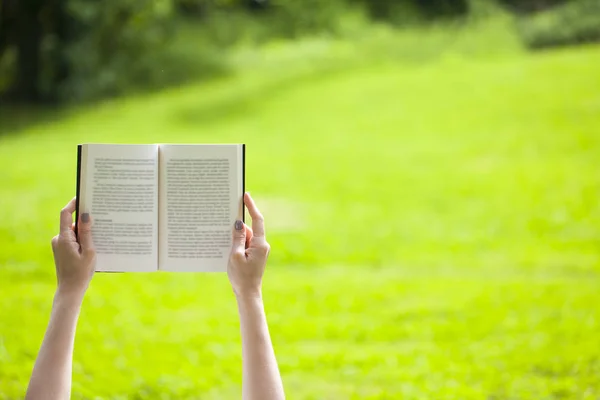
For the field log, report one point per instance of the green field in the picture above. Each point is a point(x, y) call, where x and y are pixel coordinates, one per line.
point(435, 233)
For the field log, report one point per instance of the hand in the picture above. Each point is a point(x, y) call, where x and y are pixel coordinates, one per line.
point(249, 253)
point(75, 261)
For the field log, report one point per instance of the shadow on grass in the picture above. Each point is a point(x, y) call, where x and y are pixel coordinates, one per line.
point(248, 101)
point(272, 82)
point(182, 69)
point(14, 119)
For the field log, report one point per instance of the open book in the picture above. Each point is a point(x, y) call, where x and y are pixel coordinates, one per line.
point(166, 207)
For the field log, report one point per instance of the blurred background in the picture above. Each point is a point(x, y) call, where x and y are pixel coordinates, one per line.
point(428, 170)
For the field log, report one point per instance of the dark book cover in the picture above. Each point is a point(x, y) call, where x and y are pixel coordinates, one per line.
point(243, 182)
point(78, 186)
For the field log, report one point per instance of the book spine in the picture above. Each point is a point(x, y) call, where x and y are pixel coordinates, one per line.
point(78, 187)
point(243, 182)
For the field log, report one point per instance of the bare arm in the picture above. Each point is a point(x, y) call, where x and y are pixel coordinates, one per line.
point(75, 262)
point(261, 379)
point(51, 377)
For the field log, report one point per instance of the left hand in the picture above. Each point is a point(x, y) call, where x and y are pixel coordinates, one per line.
point(249, 254)
point(74, 258)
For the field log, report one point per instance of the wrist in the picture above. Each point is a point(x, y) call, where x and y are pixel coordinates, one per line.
point(249, 294)
point(65, 296)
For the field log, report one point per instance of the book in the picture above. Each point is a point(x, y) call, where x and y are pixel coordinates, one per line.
point(161, 207)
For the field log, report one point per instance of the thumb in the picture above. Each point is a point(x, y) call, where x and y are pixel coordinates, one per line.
point(239, 238)
point(84, 233)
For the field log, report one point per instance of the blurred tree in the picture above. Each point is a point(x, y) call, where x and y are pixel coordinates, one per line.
point(258, 5)
point(79, 48)
point(27, 26)
point(432, 9)
point(291, 18)
point(406, 10)
point(530, 6)
point(8, 16)
point(20, 26)
point(118, 45)
point(575, 22)
point(52, 50)
point(200, 7)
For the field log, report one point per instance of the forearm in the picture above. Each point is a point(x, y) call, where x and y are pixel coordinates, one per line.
point(51, 377)
point(261, 378)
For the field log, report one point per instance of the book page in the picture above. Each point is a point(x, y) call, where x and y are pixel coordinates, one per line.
point(119, 188)
point(200, 197)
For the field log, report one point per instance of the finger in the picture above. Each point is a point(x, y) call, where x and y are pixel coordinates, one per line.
point(66, 216)
point(54, 246)
point(248, 235)
point(84, 235)
point(239, 239)
point(54, 243)
point(258, 223)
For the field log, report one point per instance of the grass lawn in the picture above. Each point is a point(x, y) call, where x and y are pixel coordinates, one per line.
point(435, 233)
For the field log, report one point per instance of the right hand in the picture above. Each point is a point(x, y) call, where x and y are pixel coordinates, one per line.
point(249, 253)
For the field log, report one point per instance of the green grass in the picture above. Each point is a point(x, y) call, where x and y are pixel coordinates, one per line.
point(435, 234)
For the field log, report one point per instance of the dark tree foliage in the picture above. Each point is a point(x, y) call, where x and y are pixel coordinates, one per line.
point(575, 22)
point(57, 50)
point(21, 28)
point(530, 6)
point(37, 31)
point(75, 49)
point(443, 8)
point(388, 10)
point(8, 19)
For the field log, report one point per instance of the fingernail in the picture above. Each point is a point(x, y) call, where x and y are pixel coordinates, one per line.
point(85, 217)
point(239, 225)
